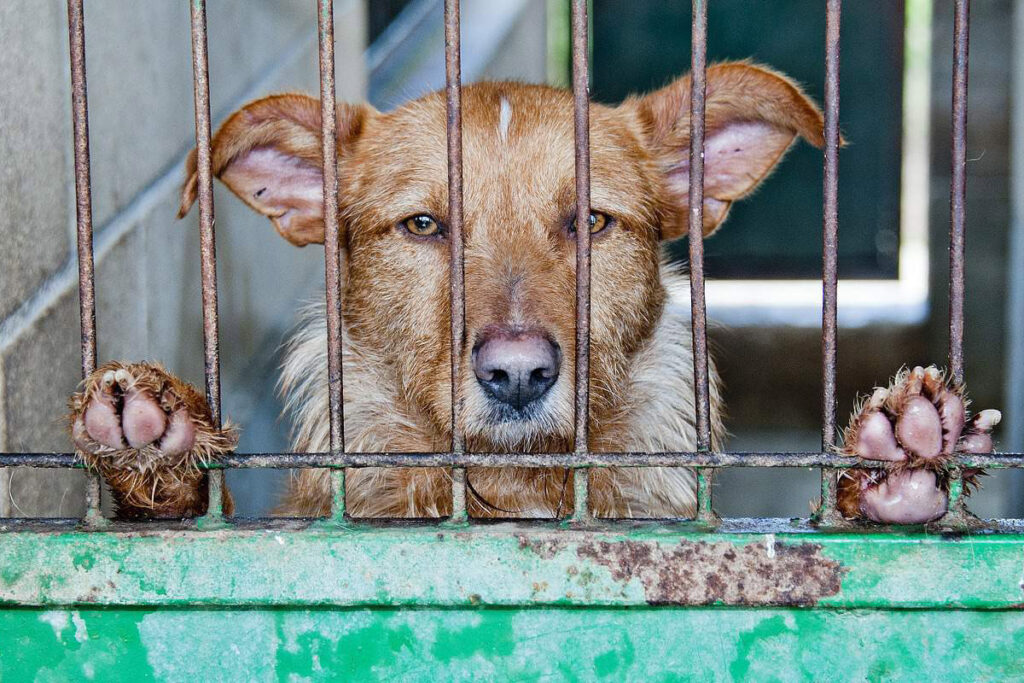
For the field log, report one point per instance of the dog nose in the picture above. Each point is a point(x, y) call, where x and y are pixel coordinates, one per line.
point(516, 368)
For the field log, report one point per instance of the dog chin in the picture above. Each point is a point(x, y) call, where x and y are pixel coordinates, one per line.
point(525, 429)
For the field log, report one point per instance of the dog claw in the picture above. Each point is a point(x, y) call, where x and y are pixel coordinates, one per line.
point(906, 434)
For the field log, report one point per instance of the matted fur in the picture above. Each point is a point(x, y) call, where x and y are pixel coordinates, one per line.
point(146, 482)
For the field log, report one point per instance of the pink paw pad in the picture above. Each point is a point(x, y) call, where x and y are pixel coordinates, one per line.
point(123, 413)
point(906, 433)
point(907, 497)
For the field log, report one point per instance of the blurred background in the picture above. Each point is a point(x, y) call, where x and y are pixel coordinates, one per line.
point(763, 266)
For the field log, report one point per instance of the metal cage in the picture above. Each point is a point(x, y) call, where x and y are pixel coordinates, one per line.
point(883, 586)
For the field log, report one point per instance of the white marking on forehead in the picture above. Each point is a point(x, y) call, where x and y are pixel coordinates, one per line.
point(504, 119)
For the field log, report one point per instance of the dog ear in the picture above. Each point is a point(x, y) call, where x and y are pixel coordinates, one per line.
point(752, 116)
point(269, 154)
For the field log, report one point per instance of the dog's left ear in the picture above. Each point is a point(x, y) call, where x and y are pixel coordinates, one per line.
point(752, 116)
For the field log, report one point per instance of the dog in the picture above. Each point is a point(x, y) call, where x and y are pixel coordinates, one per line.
point(145, 430)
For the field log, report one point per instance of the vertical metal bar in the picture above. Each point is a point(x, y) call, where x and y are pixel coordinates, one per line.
point(208, 249)
point(1013, 433)
point(581, 496)
point(581, 126)
point(459, 515)
point(956, 514)
point(705, 501)
point(83, 206)
point(958, 189)
point(83, 185)
point(830, 241)
point(338, 495)
point(698, 309)
point(332, 245)
point(453, 103)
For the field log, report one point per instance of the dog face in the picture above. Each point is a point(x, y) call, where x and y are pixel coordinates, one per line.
point(519, 228)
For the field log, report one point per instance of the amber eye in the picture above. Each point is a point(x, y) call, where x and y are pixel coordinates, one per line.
point(598, 222)
point(421, 225)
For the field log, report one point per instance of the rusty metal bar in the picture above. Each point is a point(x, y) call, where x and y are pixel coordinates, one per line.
point(698, 309)
point(956, 513)
point(207, 242)
point(827, 513)
point(83, 185)
point(338, 495)
point(83, 209)
point(830, 226)
point(581, 121)
point(581, 496)
point(705, 510)
point(93, 498)
point(215, 498)
point(332, 245)
point(581, 128)
point(958, 189)
point(456, 242)
point(1006, 460)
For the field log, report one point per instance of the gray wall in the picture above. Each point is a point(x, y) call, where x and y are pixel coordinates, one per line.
point(147, 285)
point(147, 263)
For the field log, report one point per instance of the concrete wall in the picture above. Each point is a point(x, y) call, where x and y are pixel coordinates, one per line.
point(147, 263)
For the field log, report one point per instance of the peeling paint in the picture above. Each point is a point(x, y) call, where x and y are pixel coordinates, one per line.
point(81, 632)
point(507, 566)
point(700, 573)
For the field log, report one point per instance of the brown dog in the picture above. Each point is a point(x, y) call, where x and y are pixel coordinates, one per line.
point(520, 283)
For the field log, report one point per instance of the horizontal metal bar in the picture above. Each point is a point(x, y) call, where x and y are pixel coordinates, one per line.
point(574, 460)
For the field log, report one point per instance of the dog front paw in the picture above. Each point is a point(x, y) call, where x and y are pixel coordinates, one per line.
point(147, 431)
point(906, 434)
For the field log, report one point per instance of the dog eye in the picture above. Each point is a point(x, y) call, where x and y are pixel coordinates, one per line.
point(598, 222)
point(421, 225)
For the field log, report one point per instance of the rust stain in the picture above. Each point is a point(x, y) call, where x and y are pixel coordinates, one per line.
point(700, 573)
point(545, 549)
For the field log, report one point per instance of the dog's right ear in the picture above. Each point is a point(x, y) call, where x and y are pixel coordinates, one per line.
point(269, 154)
point(752, 116)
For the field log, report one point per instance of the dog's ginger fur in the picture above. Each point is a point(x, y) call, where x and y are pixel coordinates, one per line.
point(520, 271)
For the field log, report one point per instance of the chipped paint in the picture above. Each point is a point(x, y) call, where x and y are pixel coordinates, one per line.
point(508, 565)
point(410, 603)
point(700, 573)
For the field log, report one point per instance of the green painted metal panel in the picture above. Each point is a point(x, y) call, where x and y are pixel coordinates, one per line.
point(653, 644)
point(510, 565)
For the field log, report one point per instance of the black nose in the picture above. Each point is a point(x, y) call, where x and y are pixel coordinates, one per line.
point(516, 368)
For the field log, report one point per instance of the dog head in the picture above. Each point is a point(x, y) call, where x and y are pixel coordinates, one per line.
point(519, 229)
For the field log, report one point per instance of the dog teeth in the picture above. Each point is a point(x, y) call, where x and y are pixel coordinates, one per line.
point(123, 378)
point(108, 378)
